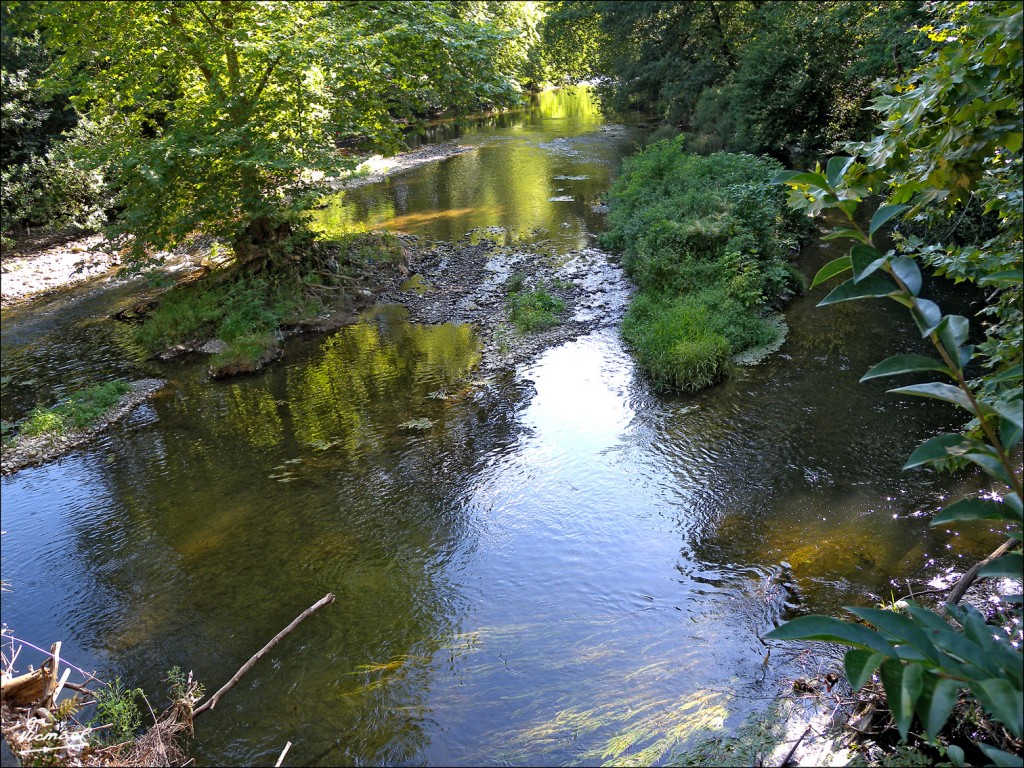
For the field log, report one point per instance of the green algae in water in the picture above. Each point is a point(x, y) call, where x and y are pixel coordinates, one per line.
point(417, 284)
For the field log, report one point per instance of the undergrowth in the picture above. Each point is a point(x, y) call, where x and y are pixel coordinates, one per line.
point(78, 411)
point(245, 311)
point(532, 310)
point(706, 240)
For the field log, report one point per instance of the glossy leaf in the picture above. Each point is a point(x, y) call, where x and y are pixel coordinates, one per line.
point(865, 260)
point(1001, 700)
point(936, 705)
point(975, 509)
point(830, 630)
point(837, 168)
point(936, 391)
point(1007, 277)
point(905, 364)
point(952, 331)
point(898, 628)
point(1001, 759)
point(830, 270)
point(903, 685)
point(871, 286)
point(844, 232)
point(883, 214)
point(860, 665)
point(801, 177)
point(927, 315)
point(934, 449)
point(1009, 566)
point(908, 272)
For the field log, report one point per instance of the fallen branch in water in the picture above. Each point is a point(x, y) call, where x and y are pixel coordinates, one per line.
point(212, 701)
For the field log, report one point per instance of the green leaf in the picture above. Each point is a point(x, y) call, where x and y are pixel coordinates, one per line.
point(899, 628)
point(907, 271)
point(830, 270)
point(952, 331)
point(830, 630)
point(905, 364)
point(988, 459)
point(955, 755)
point(872, 286)
point(1001, 700)
point(860, 665)
point(937, 391)
point(903, 685)
point(801, 177)
point(837, 168)
point(883, 214)
point(865, 260)
point(974, 509)
point(845, 232)
point(927, 315)
point(1009, 566)
point(1000, 758)
point(1009, 277)
point(934, 449)
point(936, 704)
point(1010, 374)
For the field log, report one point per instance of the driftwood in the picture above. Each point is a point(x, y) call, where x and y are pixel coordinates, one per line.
point(212, 701)
point(34, 688)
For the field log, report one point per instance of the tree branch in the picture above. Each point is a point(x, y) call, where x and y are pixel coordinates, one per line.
point(965, 581)
point(212, 701)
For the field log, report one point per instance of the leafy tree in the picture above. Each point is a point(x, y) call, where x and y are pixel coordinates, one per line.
point(40, 184)
point(216, 118)
point(575, 47)
point(951, 134)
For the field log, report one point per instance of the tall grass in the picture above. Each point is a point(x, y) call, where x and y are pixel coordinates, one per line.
point(706, 240)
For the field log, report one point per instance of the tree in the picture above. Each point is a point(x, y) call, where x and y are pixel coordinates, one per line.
point(216, 117)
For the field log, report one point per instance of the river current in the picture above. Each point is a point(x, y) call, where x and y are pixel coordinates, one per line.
point(564, 568)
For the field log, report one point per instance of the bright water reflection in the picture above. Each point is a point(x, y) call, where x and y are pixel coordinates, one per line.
point(548, 568)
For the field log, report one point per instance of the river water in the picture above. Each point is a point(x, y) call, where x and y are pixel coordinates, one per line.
point(566, 567)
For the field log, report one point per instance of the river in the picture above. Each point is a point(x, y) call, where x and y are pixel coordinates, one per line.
point(565, 568)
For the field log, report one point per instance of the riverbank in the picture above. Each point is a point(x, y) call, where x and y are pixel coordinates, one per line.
point(25, 451)
point(48, 261)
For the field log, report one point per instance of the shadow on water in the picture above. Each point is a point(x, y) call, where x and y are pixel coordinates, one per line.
point(556, 566)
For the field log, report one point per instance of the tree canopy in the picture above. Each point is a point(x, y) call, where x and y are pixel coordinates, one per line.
point(220, 117)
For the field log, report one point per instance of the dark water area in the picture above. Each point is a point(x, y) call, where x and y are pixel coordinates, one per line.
point(552, 566)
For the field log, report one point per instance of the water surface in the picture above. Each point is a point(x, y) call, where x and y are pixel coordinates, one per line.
point(554, 566)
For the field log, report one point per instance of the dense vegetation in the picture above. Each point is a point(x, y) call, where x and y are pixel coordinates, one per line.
point(221, 118)
point(776, 77)
point(706, 239)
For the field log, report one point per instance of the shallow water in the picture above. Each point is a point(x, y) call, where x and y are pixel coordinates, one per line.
point(548, 567)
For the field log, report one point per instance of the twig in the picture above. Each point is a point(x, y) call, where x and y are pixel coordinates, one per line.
point(65, 662)
point(212, 701)
point(971, 575)
point(284, 752)
point(792, 751)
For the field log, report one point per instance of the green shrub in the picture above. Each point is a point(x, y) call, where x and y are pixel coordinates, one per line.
point(116, 707)
point(706, 240)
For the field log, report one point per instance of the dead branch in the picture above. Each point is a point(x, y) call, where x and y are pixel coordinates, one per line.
point(212, 701)
point(965, 581)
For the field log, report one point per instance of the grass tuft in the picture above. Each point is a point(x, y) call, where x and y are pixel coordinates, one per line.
point(79, 411)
